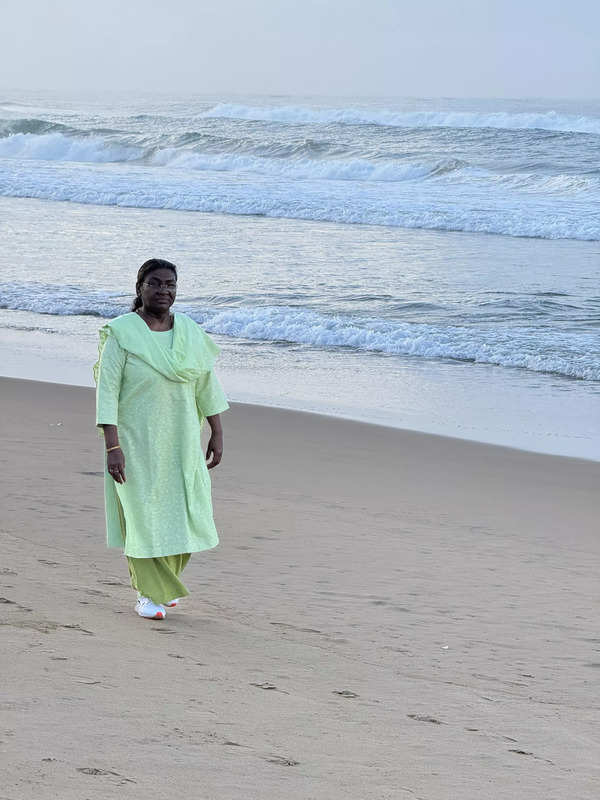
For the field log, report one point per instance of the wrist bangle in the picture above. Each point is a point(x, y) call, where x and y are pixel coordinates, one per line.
point(116, 447)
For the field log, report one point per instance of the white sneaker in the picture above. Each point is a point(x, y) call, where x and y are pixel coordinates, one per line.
point(172, 603)
point(146, 608)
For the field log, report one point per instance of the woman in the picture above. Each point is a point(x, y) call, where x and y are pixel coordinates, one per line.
point(155, 386)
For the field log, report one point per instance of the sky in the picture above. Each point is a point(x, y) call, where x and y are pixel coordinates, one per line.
point(428, 48)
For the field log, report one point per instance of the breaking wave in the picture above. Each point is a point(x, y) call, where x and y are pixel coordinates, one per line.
point(573, 355)
point(548, 120)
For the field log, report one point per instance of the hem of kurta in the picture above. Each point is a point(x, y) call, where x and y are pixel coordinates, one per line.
point(162, 554)
point(122, 544)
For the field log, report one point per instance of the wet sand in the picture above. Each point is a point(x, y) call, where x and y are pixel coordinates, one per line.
point(389, 615)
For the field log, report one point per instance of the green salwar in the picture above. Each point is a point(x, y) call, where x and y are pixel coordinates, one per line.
point(158, 578)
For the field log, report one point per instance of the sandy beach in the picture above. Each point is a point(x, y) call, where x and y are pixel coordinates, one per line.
point(389, 615)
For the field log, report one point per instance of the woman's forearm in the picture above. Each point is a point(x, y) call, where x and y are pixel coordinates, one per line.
point(215, 423)
point(111, 435)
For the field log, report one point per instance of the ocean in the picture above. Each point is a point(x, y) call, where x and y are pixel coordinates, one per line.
point(430, 264)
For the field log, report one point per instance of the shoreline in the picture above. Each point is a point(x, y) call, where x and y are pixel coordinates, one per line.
point(411, 398)
point(343, 418)
point(408, 600)
point(45, 336)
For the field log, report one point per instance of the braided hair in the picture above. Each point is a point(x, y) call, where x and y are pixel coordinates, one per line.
point(146, 268)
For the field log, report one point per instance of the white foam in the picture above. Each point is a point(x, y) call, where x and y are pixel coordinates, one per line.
point(58, 147)
point(356, 169)
point(570, 355)
point(549, 120)
point(359, 169)
point(536, 349)
point(437, 205)
point(94, 149)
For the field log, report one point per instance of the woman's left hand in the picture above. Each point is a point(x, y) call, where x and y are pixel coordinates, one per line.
point(214, 450)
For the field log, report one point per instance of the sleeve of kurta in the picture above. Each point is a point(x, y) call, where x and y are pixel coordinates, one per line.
point(210, 397)
point(110, 372)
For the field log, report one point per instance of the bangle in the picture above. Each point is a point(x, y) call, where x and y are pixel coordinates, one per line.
point(116, 447)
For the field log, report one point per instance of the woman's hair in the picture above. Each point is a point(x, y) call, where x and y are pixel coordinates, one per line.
point(143, 272)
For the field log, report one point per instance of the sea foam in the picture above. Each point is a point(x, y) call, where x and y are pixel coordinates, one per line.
point(438, 206)
point(565, 353)
point(59, 147)
point(548, 120)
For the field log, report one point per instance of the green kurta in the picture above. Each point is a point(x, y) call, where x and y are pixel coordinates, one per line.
point(159, 397)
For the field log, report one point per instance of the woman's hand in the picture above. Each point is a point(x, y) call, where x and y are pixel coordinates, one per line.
point(214, 449)
point(115, 463)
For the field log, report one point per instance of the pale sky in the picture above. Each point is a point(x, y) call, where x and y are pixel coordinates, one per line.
point(419, 48)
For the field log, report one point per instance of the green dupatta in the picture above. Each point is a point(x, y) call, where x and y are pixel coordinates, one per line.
point(193, 353)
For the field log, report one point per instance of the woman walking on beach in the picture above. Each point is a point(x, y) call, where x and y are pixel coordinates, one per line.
point(155, 385)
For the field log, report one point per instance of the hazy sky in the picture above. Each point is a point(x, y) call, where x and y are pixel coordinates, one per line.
point(477, 48)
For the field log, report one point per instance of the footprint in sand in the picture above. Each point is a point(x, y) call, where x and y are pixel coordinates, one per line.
point(284, 762)
point(43, 626)
point(530, 754)
point(78, 628)
point(8, 602)
point(424, 718)
point(114, 582)
point(95, 592)
point(345, 693)
point(268, 685)
point(295, 627)
point(97, 771)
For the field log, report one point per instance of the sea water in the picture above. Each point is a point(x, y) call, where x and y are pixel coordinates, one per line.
point(427, 264)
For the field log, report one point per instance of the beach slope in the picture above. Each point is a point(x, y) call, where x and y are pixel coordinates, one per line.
point(389, 615)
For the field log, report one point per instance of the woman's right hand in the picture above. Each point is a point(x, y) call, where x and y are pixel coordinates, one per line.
point(115, 463)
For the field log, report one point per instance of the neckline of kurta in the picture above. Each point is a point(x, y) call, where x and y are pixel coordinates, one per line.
point(169, 330)
point(187, 356)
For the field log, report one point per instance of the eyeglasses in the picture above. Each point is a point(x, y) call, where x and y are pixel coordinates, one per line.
point(156, 284)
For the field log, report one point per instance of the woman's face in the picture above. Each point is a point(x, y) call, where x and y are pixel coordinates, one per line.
point(158, 290)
